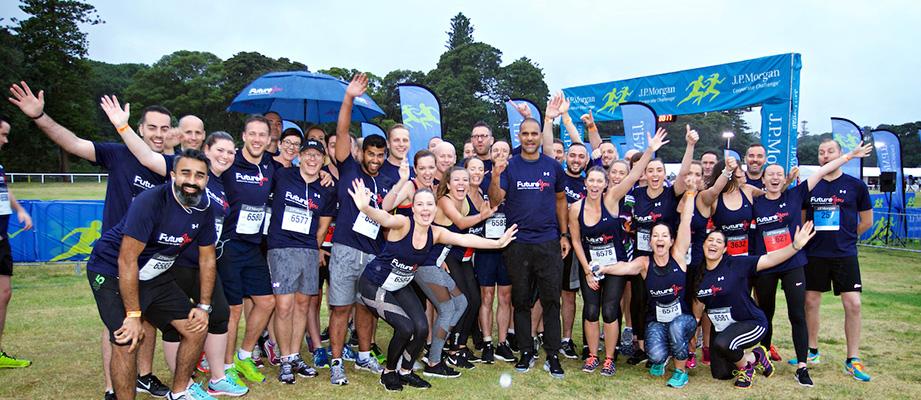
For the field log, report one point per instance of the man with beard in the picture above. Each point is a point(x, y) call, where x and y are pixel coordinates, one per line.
point(754, 160)
point(574, 188)
point(397, 147)
point(127, 179)
point(126, 273)
point(191, 132)
point(275, 130)
point(358, 239)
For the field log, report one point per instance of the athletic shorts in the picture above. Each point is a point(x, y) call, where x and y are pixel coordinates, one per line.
point(294, 270)
point(489, 268)
point(323, 274)
point(844, 272)
point(6, 257)
point(572, 271)
point(188, 280)
point(345, 266)
point(161, 301)
point(244, 272)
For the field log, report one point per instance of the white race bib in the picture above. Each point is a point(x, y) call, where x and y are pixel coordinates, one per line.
point(366, 226)
point(219, 226)
point(495, 226)
point(397, 279)
point(827, 218)
point(296, 220)
point(157, 265)
point(250, 219)
point(721, 318)
point(642, 240)
point(5, 208)
point(665, 313)
point(604, 254)
point(267, 221)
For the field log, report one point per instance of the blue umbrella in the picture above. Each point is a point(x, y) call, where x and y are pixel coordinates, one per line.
point(301, 96)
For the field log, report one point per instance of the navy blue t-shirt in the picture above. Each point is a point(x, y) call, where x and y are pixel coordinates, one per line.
point(348, 215)
point(248, 187)
point(758, 183)
point(4, 197)
point(573, 187)
point(649, 211)
point(724, 291)
point(530, 197)
point(155, 218)
point(776, 222)
point(127, 179)
point(219, 208)
point(393, 171)
point(297, 208)
point(834, 207)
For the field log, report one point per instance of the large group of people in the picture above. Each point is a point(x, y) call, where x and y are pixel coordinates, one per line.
point(200, 236)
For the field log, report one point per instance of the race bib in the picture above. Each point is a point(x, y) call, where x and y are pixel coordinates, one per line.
point(737, 245)
point(495, 226)
point(665, 313)
point(642, 240)
point(219, 226)
point(5, 208)
point(296, 220)
point(250, 219)
point(827, 218)
point(604, 254)
point(721, 318)
point(366, 226)
point(157, 265)
point(267, 221)
point(398, 279)
point(776, 239)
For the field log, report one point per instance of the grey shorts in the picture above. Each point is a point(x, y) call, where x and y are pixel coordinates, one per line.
point(294, 270)
point(345, 267)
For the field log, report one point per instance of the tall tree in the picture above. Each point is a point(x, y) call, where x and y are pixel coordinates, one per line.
point(460, 33)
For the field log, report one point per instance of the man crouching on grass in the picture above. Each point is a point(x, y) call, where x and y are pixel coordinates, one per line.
point(126, 274)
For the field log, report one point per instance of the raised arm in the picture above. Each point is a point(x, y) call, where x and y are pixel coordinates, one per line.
point(692, 137)
point(860, 151)
point(34, 108)
point(567, 122)
point(709, 196)
point(620, 190)
point(362, 197)
point(393, 197)
point(355, 89)
point(591, 130)
point(802, 236)
point(444, 236)
point(119, 118)
point(495, 192)
point(683, 239)
point(553, 111)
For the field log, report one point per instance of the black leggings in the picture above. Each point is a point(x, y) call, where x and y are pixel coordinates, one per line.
point(793, 283)
point(463, 275)
point(605, 301)
point(728, 347)
point(638, 305)
point(187, 280)
point(402, 310)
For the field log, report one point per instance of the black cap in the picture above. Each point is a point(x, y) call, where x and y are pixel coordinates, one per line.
point(313, 144)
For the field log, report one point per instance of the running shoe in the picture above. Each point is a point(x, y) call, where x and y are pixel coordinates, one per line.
point(638, 356)
point(348, 354)
point(440, 370)
point(512, 342)
point(488, 355)
point(257, 358)
point(855, 368)
point(585, 352)
point(371, 365)
point(321, 358)
point(459, 360)
point(811, 358)
point(302, 369)
point(379, 354)
point(526, 362)
point(692, 361)
point(8, 361)
point(775, 356)
point(414, 381)
point(678, 380)
point(248, 369)
point(591, 364)
point(802, 377)
point(626, 342)
point(151, 385)
point(391, 381)
point(608, 368)
point(270, 349)
point(425, 352)
point(196, 392)
point(552, 365)
point(468, 354)
point(324, 336)
point(763, 362)
point(232, 374)
point(286, 373)
point(337, 373)
point(478, 342)
point(504, 352)
point(171, 396)
point(705, 355)
point(568, 349)
point(109, 396)
point(203, 366)
point(226, 387)
point(657, 370)
point(744, 376)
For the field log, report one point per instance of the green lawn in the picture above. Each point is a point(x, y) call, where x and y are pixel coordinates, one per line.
point(59, 191)
point(53, 321)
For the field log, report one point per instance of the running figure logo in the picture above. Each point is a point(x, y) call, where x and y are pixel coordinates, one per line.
point(84, 246)
point(614, 98)
point(847, 142)
point(701, 88)
point(423, 115)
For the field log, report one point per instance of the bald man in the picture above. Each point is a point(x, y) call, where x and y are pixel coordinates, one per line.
point(434, 142)
point(445, 157)
point(192, 132)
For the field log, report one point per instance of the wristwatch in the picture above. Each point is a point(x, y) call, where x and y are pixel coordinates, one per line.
point(205, 307)
point(566, 235)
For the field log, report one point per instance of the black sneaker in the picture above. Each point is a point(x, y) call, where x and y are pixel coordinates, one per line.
point(459, 360)
point(151, 385)
point(478, 342)
point(413, 380)
point(526, 362)
point(568, 349)
point(468, 354)
point(440, 370)
point(110, 396)
point(802, 377)
point(286, 373)
point(324, 336)
point(488, 354)
point(552, 365)
point(585, 352)
point(638, 356)
point(512, 342)
point(504, 353)
point(391, 381)
point(302, 369)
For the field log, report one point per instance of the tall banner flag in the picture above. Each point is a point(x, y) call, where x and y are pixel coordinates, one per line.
point(515, 118)
point(421, 115)
point(889, 159)
point(848, 136)
point(368, 129)
point(639, 122)
point(772, 82)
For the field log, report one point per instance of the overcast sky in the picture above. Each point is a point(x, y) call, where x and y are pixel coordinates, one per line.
point(860, 58)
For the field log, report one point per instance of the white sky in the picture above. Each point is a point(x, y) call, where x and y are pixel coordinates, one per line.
point(859, 57)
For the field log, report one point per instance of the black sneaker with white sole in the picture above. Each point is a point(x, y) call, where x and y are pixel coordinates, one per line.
point(468, 354)
point(568, 349)
point(488, 354)
point(414, 381)
point(459, 360)
point(151, 385)
point(391, 381)
point(504, 353)
point(526, 362)
point(638, 356)
point(802, 377)
point(552, 365)
point(440, 370)
point(512, 342)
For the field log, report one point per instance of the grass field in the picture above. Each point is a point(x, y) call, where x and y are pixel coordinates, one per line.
point(53, 321)
point(59, 191)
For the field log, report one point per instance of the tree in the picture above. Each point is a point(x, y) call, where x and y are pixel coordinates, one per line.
point(108, 79)
point(238, 71)
point(389, 98)
point(520, 79)
point(460, 33)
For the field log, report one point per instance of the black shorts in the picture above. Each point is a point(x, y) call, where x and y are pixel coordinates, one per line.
point(161, 300)
point(188, 280)
point(6, 258)
point(844, 272)
point(571, 283)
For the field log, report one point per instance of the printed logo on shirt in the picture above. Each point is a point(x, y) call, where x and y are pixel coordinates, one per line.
point(603, 239)
point(833, 200)
point(573, 194)
point(778, 217)
point(251, 179)
point(710, 291)
point(652, 217)
point(218, 198)
point(403, 267)
point(308, 203)
point(174, 240)
point(673, 291)
point(142, 183)
point(539, 185)
point(741, 226)
point(194, 226)
point(546, 173)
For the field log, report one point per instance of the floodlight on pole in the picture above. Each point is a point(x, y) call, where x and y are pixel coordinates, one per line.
point(728, 135)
